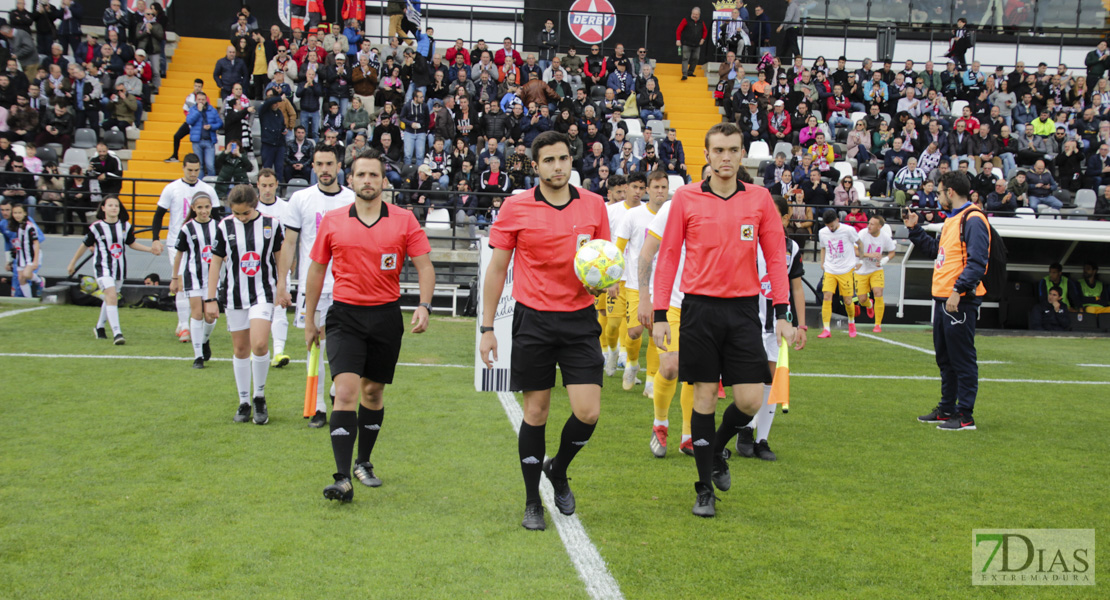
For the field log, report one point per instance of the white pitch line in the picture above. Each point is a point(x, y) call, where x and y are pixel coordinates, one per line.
point(587, 560)
point(1093, 365)
point(931, 378)
point(12, 313)
point(188, 359)
point(926, 350)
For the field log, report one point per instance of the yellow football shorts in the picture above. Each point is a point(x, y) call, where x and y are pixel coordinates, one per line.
point(844, 282)
point(866, 283)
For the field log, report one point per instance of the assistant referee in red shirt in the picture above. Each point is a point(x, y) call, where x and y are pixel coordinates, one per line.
point(366, 244)
point(721, 221)
point(555, 322)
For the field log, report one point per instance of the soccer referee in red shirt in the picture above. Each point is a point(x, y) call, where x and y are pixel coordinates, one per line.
point(366, 244)
point(721, 221)
point(554, 321)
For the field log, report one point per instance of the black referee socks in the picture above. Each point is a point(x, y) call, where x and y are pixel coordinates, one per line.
point(731, 422)
point(344, 428)
point(702, 432)
point(369, 424)
point(530, 446)
point(574, 437)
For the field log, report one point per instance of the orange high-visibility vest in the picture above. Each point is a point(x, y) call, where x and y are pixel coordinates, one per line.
point(952, 254)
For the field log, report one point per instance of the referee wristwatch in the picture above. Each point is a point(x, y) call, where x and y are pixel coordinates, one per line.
point(207, 300)
point(484, 329)
point(427, 306)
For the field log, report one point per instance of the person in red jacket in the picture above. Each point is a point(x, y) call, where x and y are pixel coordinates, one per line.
point(690, 37)
point(458, 48)
point(778, 123)
point(839, 109)
point(508, 51)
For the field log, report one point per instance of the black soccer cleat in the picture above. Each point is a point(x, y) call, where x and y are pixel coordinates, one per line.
point(564, 498)
point(243, 413)
point(198, 363)
point(261, 415)
point(721, 476)
point(745, 442)
point(318, 420)
point(118, 340)
point(705, 505)
point(206, 352)
point(365, 474)
point(938, 415)
point(533, 517)
point(958, 422)
point(763, 451)
point(100, 333)
point(341, 490)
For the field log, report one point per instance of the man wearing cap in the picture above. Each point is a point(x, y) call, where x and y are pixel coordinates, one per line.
point(621, 81)
point(778, 123)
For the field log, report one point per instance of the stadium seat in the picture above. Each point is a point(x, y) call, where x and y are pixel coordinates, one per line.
point(597, 92)
point(958, 108)
point(886, 117)
point(47, 155)
point(76, 156)
point(295, 185)
point(1086, 199)
point(56, 147)
point(84, 138)
point(674, 182)
point(759, 150)
point(844, 169)
point(763, 165)
point(575, 179)
point(634, 129)
point(20, 150)
point(658, 130)
point(856, 116)
point(256, 127)
point(997, 173)
point(785, 148)
point(1076, 214)
point(842, 135)
point(868, 171)
point(115, 140)
point(1025, 212)
point(439, 219)
point(861, 189)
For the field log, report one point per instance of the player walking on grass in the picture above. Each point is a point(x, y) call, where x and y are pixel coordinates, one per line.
point(838, 257)
point(271, 205)
point(747, 445)
point(250, 243)
point(176, 200)
point(721, 221)
point(26, 253)
point(630, 239)
point(364, 246)
point(611, 348)
point(108, 238)
point(877, 248)
point(303, 215)
point(616, 328)
point(554, 321)
point(190, 267)
point(961, 263)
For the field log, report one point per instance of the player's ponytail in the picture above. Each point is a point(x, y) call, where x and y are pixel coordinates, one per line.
point(243, 194)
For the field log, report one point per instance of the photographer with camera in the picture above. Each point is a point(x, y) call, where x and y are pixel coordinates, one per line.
point(121, 109)
point(231, 167)
point(107, 169)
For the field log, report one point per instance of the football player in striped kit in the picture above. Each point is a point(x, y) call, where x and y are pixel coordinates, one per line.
point(26, 252)
point(190, 267)
point(249, 242)
point(272, 205)
point(175, 200)
point(108, 238)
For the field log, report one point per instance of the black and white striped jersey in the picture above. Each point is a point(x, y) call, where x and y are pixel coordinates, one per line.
point(195, 245)
point(23, 245)
point(109, 242)
point(248, 250)
point(795, 271)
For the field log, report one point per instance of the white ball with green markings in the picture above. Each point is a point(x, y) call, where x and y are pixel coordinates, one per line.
point(599, 264)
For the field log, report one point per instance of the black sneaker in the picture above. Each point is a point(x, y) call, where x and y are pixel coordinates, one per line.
point(171, 159)
point(564, 498)
point(341, 490)
point(318, 420)
point(206, 352)
point(721, 477)
point(198, 363)
point(745, 442)
point(118, 340)
point(365, 474)
point(684, 77)
point(705, 505)
point(958, 422)
point(763, 451)
point(261, 415)
point(100, 333)
point(243, 414)
point(533, 517)
point(938, 415)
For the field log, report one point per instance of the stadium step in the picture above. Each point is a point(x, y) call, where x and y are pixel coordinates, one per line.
point(690, 110)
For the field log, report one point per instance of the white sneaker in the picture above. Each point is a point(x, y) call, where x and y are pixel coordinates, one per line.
point(649, 389)
point(629, 380)
point(622, 359)
point(611, 363)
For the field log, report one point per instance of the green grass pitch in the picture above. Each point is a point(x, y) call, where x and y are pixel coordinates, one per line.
point(128, 479)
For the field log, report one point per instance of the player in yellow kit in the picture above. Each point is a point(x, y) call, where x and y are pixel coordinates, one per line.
point(616, 196)
point(616, 329)
point(839, 246)
point(630, 236)
point(876, 249)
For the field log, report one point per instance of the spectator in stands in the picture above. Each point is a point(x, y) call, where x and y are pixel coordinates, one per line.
point(204, 120)
point(231, 168)
point(1001, 201)
point(493, 179)
point(1097, 61)
point(772, 171)
point(778, 124)
point(930, 158)
point(23, 121)
point(507, 52)
point(845, 194)
point(908, 181)
point(817, 192)
point(151, 37)
point(19, 185)
point(624, 162)
point(822, 153)
point(1069, 168)
point(298, 155)
point(57, 127)
point(1098, 167)
point(312, 47)
point(894, 160)
point(621, 81)
point(519, 167)
point(414, 117)
point(754, 125)
point(984, 147)
point(690, 37)
point(121, 109)
point(230, 70)
point(272, 120)
point(1051, 314)
point(1091, 294)
point(1043, 125)
point(310, 91)
point(356, 120)
point(1042, 187)
point(1056, 278)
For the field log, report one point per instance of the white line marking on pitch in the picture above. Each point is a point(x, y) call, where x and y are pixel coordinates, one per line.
point(12, 313)
point(587, 560)
point(1092, 365)
point(926, 350)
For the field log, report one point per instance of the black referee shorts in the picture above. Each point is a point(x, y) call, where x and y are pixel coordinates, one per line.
point(542, 339)
point(722, 338)
point(364, 340)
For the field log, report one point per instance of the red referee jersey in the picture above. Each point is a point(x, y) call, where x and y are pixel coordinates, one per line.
point(721, 235)
point(366, 259)
point(545, 239)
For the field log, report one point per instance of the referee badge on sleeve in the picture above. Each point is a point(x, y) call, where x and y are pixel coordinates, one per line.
point(747, 232)
point(389, 262)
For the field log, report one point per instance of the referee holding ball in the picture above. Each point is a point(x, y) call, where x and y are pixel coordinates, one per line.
point(366, 244)
point(721, 221)
point(555, 322)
